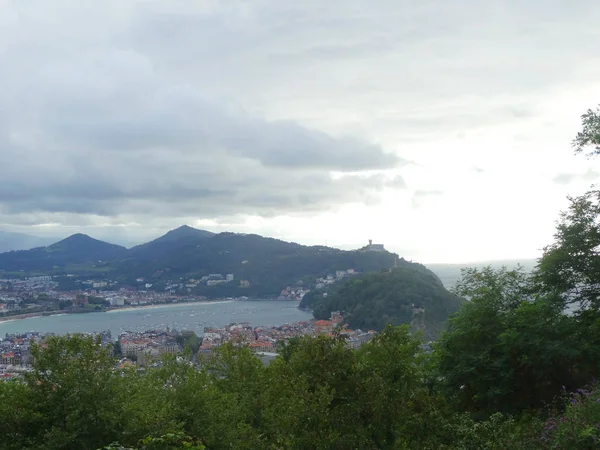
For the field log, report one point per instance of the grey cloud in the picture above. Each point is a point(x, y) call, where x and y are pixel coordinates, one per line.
point(568, 178)
point(166, 183)
point(154, 115)
point(133, 110)
point(107, 135)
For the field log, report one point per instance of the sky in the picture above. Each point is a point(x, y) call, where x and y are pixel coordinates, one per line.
point(441, 129)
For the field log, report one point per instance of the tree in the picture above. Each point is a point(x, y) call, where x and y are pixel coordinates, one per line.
point(504, 288)
point(64, 304)
point(169, 441)
point(570, 267)
point(375, 300)
point(396, 406)
point(510, 351)
point(72, 393)
point(17, 416)
point(589, 136)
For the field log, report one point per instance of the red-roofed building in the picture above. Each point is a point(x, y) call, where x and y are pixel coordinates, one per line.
point(10, 358)
point(323, 326)
point(261, 346)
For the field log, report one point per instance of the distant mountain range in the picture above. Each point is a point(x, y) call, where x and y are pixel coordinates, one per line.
point(266, 264)
point(19, 241)
point(63, 256)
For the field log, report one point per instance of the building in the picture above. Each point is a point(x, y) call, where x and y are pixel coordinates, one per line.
point(10, 359)
point(41, 278)
point(323, 326)
point(375, 247)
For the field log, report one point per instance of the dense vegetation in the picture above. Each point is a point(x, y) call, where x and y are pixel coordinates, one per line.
point(408, 294)
point(319, 395)
point(516, 369)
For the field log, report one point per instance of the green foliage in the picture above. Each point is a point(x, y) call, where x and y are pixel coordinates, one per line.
point(498, 432)
point(409, 294)
point(170, 441)
point(578, 427)
point(589, 136)
point(320, 395)
point(505, 354)
point(503, 288)
point(570, 267)
point(98, 301)
point(64, 304)
point(189, 341)
point(68, 400)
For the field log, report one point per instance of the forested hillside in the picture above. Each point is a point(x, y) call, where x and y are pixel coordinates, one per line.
point(267, 264)
point(408, 294)
point(66, 255)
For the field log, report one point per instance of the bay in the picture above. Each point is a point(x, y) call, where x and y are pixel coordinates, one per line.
point(185, 316)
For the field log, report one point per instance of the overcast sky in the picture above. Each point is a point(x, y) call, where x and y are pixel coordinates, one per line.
point(441, 129)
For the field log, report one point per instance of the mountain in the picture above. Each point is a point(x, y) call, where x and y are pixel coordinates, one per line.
point(172, 242)
point(75, 250)
point(182, 233)
point(85, 248)
point(268, 264)
point(408, 294)
point(18, 241)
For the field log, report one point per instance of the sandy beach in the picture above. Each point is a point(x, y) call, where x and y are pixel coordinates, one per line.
point(30, 315)
point(113, 310)
point(169, 305)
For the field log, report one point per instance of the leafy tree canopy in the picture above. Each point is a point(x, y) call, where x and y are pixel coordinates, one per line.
point(409, 294)
point(589, 136)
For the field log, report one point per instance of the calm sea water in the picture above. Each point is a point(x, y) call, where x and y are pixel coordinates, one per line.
point(180, 317)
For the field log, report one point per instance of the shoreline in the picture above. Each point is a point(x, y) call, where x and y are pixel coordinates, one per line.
point(108, 310)
point(30, 315)
point(24, 316)
point(166, 305)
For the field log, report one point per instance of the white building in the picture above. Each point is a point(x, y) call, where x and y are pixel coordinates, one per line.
point(117, 301)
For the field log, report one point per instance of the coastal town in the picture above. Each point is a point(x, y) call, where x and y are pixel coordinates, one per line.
point(148, 348)
point(47, 294)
